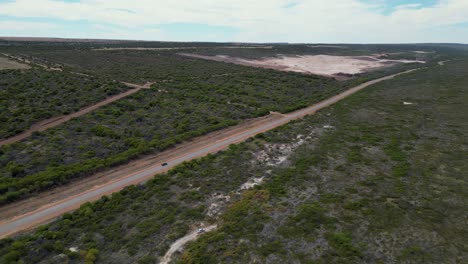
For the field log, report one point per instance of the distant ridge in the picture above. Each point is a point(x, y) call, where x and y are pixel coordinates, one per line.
point(39, 39)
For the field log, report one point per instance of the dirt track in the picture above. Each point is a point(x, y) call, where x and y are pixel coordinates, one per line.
point(442, 63)
point(7, 64)
point(45, 207)
point(180, 243)
point(57, 120)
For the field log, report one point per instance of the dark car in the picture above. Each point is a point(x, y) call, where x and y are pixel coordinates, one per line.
point(164, 164)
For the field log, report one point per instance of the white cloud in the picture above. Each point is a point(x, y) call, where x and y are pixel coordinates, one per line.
point(25, 29)
point(264, 20)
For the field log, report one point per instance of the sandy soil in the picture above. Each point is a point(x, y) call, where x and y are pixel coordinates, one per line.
point(45, 207)
point(57, 120)
point(423, 52)
point(442, 63)
point(325, 65)
point(23, 60)
point(6, 64)
point(176, 246)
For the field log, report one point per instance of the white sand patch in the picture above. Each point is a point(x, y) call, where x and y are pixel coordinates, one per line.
point(407, 103)
point(422, 52)
point(214, 209)
point(73, 249)
point(275, 154)
point(326, 64)
point(251, 183)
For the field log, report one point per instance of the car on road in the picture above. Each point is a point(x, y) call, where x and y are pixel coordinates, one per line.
point(164, 164)
point(200, 230)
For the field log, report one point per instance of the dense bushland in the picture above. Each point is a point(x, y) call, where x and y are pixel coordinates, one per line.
point(151, 121)
point(191, 97)
point(28, 96)
point(373, 180)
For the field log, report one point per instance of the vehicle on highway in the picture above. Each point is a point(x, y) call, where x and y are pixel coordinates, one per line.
point(164, 164)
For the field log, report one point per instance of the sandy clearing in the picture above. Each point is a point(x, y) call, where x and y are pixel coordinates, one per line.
point(326, 65)
point(21, 59)
point(45, 207)
point(57, 120)
point(7, 64)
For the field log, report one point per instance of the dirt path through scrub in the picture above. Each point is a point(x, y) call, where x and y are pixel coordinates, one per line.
point(45, 207)
point(57, 120)
point(442, 63)
point(180, 243)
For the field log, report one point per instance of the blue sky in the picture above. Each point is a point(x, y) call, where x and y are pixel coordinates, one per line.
point(388, 6)
point(351, 21)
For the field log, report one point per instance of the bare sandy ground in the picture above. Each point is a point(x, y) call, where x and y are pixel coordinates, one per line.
point(180, 243)
point(442, 63)
point(23, 60)
point(45, 207)
point(6, 64)
point(326, 65)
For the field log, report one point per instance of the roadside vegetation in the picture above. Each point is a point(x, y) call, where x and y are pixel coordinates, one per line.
point(151, 121)
point(370, 179)
point(199, 97)
point(29, 96)
point(130, 66)
point(385, 182)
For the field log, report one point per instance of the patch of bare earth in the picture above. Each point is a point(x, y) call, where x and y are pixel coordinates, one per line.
point(326, 65)
point(7, 64)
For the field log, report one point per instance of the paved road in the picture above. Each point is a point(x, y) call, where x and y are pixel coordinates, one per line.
point(51, 211)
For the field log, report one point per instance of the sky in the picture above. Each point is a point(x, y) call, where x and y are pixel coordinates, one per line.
point(294, 21)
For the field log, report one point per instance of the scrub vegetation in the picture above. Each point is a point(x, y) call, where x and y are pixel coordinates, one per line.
point(29, 96)
point(190, 98)
point(368, 180)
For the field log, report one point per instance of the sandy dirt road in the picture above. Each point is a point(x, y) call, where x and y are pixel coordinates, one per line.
point(180, 243)
point(57, 120)
point(26, 214)
point(442, 63)
point(7, 64)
